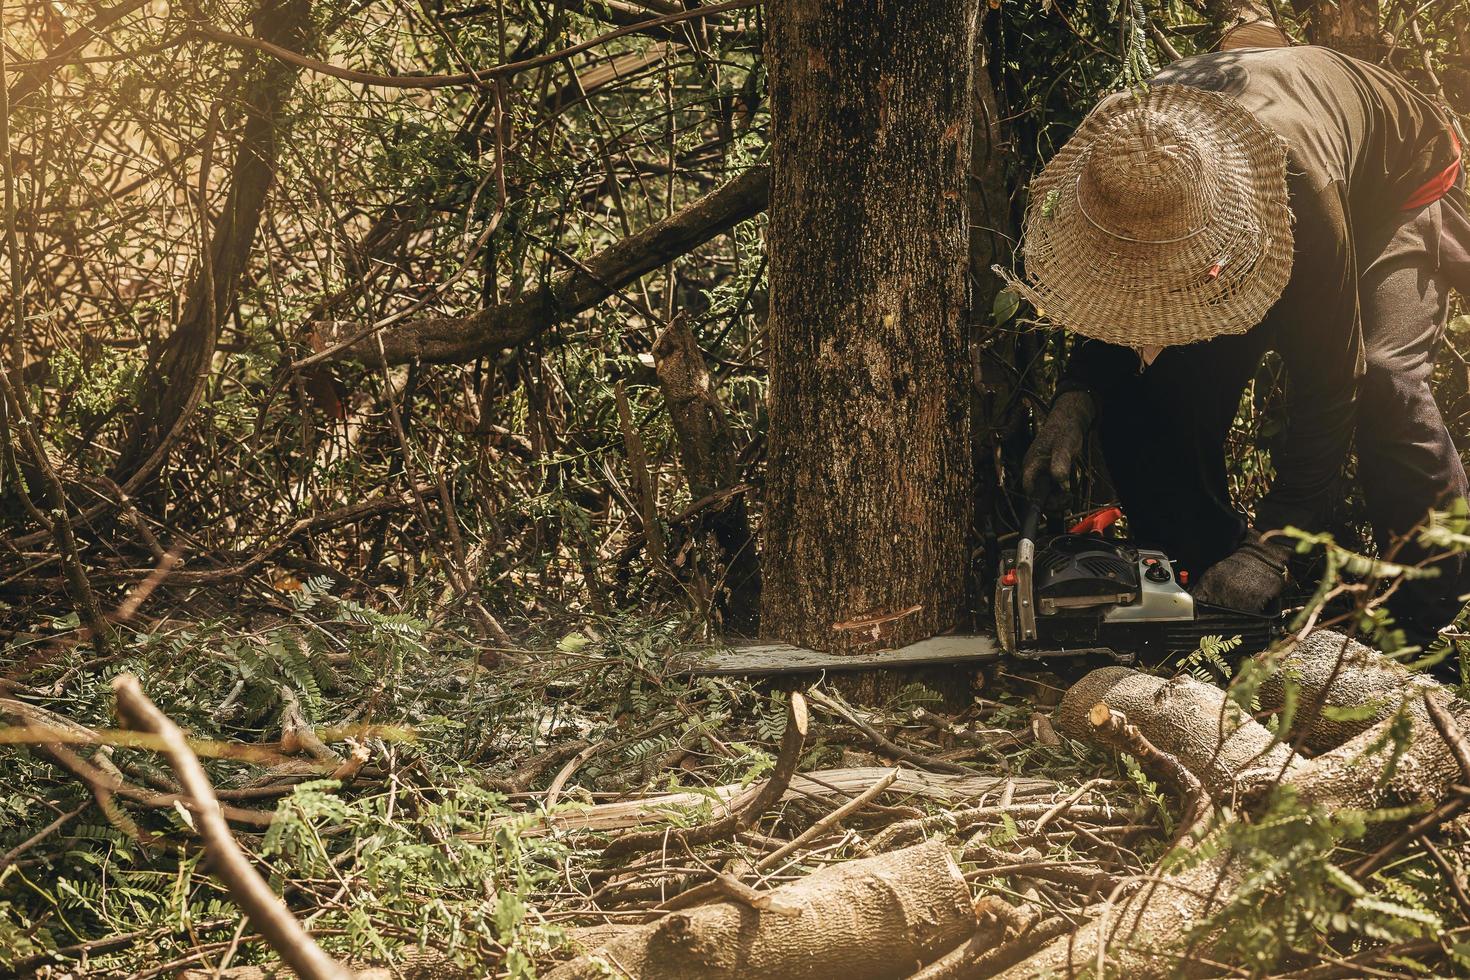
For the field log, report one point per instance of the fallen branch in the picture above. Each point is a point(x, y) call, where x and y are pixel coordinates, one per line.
point(10, 856)
point(1017, 949)
point(1113, 729)
point(820, 784)
point(702, 893)
point(736, 890)
point(998, 919)
point(996, 862)
point(826, 823)
point(265, 909)
point(886, 746)
point(103, 784)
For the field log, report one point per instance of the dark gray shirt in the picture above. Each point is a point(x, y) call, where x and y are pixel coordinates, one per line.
point(1360, 141)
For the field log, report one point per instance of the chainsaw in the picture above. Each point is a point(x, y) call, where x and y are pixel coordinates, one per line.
point(1086, 593)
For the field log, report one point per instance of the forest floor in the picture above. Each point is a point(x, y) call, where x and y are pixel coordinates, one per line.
point(479, 790)
point(457, 809)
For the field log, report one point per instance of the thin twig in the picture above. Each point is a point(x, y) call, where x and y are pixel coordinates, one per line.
point(881, 742)
point(10, 856)
point(477, 77)
point(1457, 803)
point(1451, 876)
point(701, 893)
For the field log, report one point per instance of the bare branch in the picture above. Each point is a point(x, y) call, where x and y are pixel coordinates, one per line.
point(265, 909)
point(459, 339)
point(474, 77)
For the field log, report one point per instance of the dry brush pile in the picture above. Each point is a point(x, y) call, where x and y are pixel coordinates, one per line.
point(1318, 835)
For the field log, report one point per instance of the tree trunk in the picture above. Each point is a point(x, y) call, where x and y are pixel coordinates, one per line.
point(869, 476)
point(183, 367)
point(1349, 26)
point(707, 454)
point(993, 352)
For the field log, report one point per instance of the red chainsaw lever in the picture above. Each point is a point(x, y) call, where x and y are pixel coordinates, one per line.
point(1098, 521)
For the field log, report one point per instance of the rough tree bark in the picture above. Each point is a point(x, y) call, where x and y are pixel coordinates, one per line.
point(868, 919)
point(184, 364)
point(869, 477)
point(1349, 26)
point(707, 455)
point(1329, 670)
point(1187, 718)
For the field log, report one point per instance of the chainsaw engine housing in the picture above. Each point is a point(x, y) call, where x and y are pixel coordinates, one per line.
point(1085, 594)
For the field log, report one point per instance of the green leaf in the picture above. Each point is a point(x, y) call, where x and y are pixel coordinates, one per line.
point(1005, 306)
point(1354, 712)
point(1397, 911)
point(572, 643)
point(1342, 880)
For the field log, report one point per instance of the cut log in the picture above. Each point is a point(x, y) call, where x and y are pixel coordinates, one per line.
point(1190, 720)
point(1137, 937)
point(1333, 671)
point(1365, 772)
point(870, 919)
point(1141, 932)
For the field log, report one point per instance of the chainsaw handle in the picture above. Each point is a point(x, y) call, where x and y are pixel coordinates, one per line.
point(1032, 522)
point(1035, 504)
point(1025, 567)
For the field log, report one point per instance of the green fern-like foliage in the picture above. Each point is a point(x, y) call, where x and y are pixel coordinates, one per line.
point(1208, 662)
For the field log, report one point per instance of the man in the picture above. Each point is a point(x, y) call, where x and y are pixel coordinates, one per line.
point(1287, 199)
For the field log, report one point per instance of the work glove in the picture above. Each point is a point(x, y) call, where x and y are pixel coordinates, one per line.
point(1058, 443)
point(1250, 579)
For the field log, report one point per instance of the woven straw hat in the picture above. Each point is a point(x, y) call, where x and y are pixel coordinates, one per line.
point(1164, 220)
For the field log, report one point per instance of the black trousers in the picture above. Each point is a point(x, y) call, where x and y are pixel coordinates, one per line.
point(1163, 431)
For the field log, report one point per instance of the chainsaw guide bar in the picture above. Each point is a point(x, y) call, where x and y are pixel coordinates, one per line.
point(756, 658)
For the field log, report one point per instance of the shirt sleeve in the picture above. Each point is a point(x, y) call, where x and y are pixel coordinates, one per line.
point(1318, 332)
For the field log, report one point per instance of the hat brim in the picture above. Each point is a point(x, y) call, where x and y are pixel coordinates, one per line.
point(1221, 279)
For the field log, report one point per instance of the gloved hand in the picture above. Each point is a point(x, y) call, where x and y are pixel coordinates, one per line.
point(1250, 578)
point(1058, 443)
